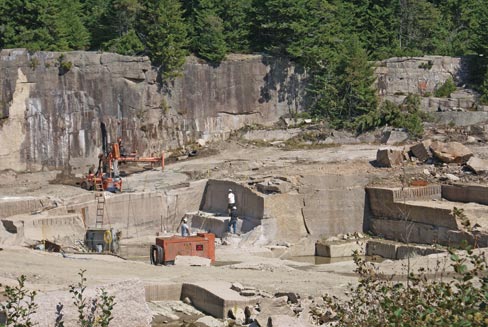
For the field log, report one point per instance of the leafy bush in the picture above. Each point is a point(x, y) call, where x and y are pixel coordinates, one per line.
point(379, 300)
point(20, 305)
point(446, 89)
point(408, 115)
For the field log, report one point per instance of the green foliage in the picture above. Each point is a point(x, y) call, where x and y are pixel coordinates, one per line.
point(445, 89)
point(209, 42)
point(164, 32)
point(237, 23)
point(19, 305)
point(484, 90)
point(91, 312)
point(426, 65)
point(127, 44)
point(422, 300)
point(408, 116)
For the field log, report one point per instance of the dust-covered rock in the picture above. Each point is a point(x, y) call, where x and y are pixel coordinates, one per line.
point(449, 152)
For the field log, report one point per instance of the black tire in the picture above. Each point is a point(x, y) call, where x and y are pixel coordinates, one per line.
point(156, 255)
point(84, 185)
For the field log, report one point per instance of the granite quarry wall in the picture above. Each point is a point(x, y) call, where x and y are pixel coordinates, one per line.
point(51, 104)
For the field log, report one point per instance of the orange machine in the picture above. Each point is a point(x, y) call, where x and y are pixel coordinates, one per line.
point(106, 177)
point(167, 248)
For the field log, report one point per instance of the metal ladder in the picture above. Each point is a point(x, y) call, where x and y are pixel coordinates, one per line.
point(100, 197)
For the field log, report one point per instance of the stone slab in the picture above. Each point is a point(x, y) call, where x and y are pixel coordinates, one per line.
point(465, 193)
point(337, 250)
point(215, 298)
point(389, 157)
point(384, 249)
point(163, 291)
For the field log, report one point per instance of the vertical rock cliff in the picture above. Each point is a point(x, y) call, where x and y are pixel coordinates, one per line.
point(51, 104)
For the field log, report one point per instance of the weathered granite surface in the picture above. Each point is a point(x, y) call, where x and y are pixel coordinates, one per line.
point(52, 103)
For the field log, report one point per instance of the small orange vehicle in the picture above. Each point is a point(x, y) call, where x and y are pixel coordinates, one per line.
point(107, 178)
point(167, 248)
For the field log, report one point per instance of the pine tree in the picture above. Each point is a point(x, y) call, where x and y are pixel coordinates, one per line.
point(356, 84)
point(64, 20)
point(116, 30)
point(23, 25)
point(164, 34)
point(236, 19)
point(209, 42)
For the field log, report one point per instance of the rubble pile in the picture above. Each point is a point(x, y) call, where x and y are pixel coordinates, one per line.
point(443, 161)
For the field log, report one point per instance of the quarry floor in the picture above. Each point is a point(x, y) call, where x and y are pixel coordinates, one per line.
point(256, 267)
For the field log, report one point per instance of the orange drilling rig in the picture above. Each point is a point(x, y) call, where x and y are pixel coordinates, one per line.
point(106, 177)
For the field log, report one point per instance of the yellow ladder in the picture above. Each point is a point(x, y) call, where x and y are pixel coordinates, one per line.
point(100, 197)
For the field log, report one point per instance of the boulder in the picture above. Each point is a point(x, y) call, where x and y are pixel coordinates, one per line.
point(291, 297)
point(237, 314)
point(248, 292)
point(389, 157)
point(237, 287)
point(449, 152)
point(478, 165)
point(274, 186)
point(452, 177)
point(421, 150)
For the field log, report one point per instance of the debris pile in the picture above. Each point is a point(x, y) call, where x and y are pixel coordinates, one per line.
point(444, 161)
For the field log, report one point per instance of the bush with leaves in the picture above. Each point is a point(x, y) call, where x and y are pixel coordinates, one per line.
point(20, 305)
point(456, 299)
point(408, 115)
point(445, 89)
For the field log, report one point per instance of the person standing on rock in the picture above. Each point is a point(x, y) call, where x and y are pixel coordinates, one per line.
point(185, 229)
point(231, 200)
point(233, 219)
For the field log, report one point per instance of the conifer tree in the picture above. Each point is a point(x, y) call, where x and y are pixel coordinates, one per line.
point(235, 15)
point(209, 42)
point(164, 34)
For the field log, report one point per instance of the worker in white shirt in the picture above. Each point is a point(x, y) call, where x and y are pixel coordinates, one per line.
point(231, 200)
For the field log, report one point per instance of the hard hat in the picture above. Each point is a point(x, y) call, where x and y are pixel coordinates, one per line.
point(230, 190)
point(184, 220)
point(234, 207)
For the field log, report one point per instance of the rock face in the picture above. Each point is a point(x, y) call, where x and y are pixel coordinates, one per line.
point(417, 75)
point(52, 104)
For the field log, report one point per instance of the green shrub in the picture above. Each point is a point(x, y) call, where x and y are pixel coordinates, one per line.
point(446, 89)
point(426, 65)
point(408, 115)
point(20, 305)
point(427, 298)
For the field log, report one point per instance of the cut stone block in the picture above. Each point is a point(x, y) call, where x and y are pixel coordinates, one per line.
point(215, 298)
point(381, 248)
point(337, 250)
point(389, 157)
point(421, 150)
